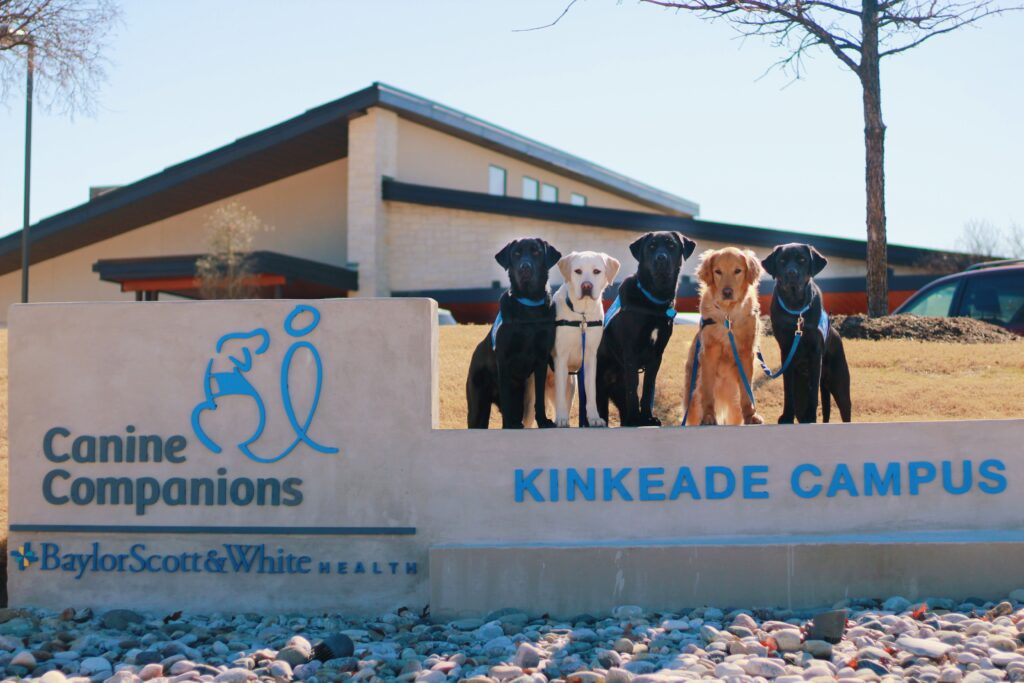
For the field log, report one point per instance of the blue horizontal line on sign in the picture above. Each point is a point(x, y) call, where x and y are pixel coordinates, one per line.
point(263, 530)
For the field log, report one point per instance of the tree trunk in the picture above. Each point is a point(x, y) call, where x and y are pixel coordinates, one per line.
point(874, 147)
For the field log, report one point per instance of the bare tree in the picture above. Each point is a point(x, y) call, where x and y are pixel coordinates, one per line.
point(225, 271)
point(981, 238)
point(67, 38)
point(1015, 240)
point(859, 33)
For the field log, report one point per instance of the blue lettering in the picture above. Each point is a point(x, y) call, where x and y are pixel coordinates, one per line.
point(647, 483)
point(750, 481)
point(794, 481)
point(730, 482)
point(842, 480)
point(48, 444)
point(243, 557)
point(138, 561)
point(51, 557)
point(586, 486)
point(325, 567)
point(410, 567)
point(875, 482)
point(947, 478)
point(48, 486)
point(343, 567)
point(553, 488)
point(919, 472)
point(525, 484)
point(360, 568)
point(613, 483)
point(684, 483)
point(989, 469)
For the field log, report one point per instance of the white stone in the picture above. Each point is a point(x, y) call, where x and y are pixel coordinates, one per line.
point(1003, 659)
point(788, 639)
point(762, 666)
point(726, 669)
point(950, 674)
point(151, 671)
point(924, 648)
point(235, 675)
point(528, 656)
point(25, 659)
point(94, 665)
point(676, 625)
point(53, 676)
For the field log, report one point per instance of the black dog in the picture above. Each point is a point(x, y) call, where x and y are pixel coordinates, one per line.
point(638, 326)
point(519, 344)
point(820, 360)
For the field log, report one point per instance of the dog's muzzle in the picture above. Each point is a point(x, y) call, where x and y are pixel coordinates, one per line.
point(586, 289)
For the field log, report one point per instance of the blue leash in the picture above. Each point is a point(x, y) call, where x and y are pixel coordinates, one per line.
point(735, 358)
point(581, 373)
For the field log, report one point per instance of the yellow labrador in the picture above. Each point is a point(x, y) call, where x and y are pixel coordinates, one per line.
point(578, 312)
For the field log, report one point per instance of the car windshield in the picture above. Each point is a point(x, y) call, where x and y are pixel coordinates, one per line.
point(995, 297)
point(934, 302)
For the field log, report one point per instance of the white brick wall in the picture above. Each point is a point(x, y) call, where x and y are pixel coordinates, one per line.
point(372, 153)
point(437, 248)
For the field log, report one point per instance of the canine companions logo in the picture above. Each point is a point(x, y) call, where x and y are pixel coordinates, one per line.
point(24, 556)
point(234, 382)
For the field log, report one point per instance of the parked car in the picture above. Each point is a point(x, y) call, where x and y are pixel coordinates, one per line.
point(993, 292)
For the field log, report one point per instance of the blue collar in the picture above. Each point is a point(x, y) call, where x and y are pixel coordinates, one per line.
point(533, 303)
point(789, 310)
point(651, 297)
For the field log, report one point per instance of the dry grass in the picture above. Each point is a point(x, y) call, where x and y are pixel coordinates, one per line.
point(893, 381)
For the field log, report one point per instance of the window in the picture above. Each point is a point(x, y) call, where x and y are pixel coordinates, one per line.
point(496, 180)
point(577, 199)
point(530, 188)
point(995, 297)
point(934, 302)
point(548, 193)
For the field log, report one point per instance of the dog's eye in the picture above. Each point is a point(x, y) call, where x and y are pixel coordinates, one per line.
point(718, 271)
point(578, 271)
point(596, 271)
point(736, 272)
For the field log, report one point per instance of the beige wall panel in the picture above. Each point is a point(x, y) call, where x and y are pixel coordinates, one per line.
point(465, 243)
point(306, 210)
point(429, 157)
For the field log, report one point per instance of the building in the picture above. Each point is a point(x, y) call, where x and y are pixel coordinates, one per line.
point(385, 193)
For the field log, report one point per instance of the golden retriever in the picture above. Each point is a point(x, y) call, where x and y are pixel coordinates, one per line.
point(728, 291)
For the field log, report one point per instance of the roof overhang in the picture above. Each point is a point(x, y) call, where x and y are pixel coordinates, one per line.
point(269, 272)
point(312, 139)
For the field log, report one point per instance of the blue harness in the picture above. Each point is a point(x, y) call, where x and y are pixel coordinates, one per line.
point(823, 327)
point(532, 303)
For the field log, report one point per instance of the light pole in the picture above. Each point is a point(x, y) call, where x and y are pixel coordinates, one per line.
point(28, 171)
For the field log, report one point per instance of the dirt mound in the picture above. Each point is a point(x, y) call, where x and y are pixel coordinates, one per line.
point(957, 330)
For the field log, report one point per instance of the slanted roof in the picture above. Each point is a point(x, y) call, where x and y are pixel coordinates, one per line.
point(306, 141)
point(298, 278)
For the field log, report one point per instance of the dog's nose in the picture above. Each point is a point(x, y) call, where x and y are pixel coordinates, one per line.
point(727, 292)
point(586, 288)
point(661, 258)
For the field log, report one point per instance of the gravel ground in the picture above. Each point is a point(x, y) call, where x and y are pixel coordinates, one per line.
point(938, 641)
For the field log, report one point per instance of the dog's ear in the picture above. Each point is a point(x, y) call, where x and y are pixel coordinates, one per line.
point(637, 248)
point(686, 244)
point(504, 257)
point(769, 263)
point(818, 262)
point(611, 267)
point(551, 255)
point(754, 269)
point(565, 265)
point(707, 264)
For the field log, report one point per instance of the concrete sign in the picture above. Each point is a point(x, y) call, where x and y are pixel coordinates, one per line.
point(282, 455)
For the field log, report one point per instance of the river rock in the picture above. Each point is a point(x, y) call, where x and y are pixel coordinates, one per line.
point(819, 649)
point(922, 647)
point(762, 666)
point(121, 619)
point(25, 659)
point(150, 671)
point(235, 675)
point(788, 639)
point(94, 665)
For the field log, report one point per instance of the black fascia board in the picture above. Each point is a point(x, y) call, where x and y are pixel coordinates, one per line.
point(638, 221)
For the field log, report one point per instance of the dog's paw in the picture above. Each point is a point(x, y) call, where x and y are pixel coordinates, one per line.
point(561, 422)
point(785, 419)
point(650, 421)
point(545, 423)
point(754, 419)
point(596, 422)
point(708, 420)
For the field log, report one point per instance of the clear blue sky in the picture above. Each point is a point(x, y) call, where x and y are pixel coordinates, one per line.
point(665, 98)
